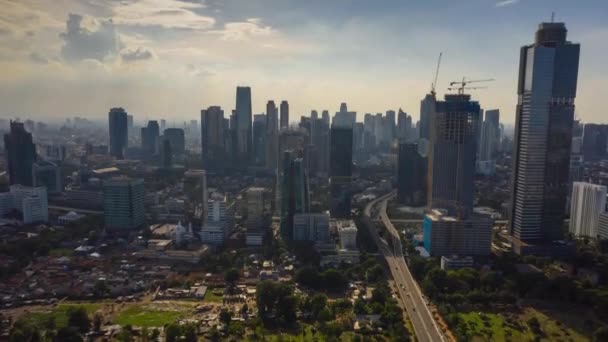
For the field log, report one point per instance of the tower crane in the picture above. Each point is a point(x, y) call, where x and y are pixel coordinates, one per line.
point(462, 85)
point(434, 84)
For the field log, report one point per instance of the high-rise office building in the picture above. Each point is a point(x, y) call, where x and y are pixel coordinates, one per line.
point(325, 117)
point(243, 125)
point(427, 107)
point(272, 136)
point(163, 125)
point(548, 74)
point(284, 114)
point(166, 153)
point(452, 153)
point(213, 138)
point(177, 139)
point(20, 154)
point(347, 230)
point(259, 139)
point(119, 132)
point(340, 170)
point(311, 227)
point(123, 203)
point(411, 175)
point(588, 202)
point(294, 192)
point(490, 135)
point(150, 139)
point(48, 175)
point(391, 128)
point(258, 220)
point(595, 142)
point(404, 126)
point(220, 220)
point(32, 202)
point(445, 235)
point(602, 229)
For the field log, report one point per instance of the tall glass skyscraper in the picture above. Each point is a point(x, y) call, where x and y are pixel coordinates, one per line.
point(284, 114)
point(340, 170)
point(548, 73)
point(20, 154)
point(119, 133)
point(243, 125)
point(213, 140)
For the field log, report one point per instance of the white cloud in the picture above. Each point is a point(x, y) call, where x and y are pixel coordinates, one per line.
point(163, 13)
point(505, 3)
point(89, 39)
point(134, 55)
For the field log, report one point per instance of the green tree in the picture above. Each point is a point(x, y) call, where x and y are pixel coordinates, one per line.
point(318, 302)
point(97, 322)
point(601, 334)
point(308, 276)
point(375, 274)
point(78, 318)
point(22, 331)
point(334, 280)
point(172, 332)
point(225, 317)
point(232, 276)
point(68, 334)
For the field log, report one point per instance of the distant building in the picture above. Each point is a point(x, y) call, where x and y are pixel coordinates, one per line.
point(31, 202)
point(243, 125)
point(259, 139)
point(257, 219)
point(150, 139)
point(602, 229)
point(123, 203)
point(119, 132)
point(587, 203)
point(445, 235)
point(427, 107)
point(20, 154)
point(213, 138)
point(47, 175)
point(411, 175)
point(490, 140)
point(455, 262)
point(311, 227)
point(220, 220)
point(70, 217)
point(294, 192)
point(347, 230)
point(595, 142)
point(452, 154)
point(340, 170)
point(177, 139)
point(272, 136)
point(543, 135)
point(284, 114)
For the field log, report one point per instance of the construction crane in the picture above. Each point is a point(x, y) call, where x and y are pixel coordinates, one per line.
point(434, 84)
point(462, 85)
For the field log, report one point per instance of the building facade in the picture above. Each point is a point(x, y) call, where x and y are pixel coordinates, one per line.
point(587, 203)
point(123, 203)
point(119, 132)
point(548, 75)
point(340, 170)
point(20, 154)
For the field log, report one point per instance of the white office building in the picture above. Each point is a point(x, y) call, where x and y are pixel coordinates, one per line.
point(348, 234)
point(220, 220)
point(31, 202)
point(602, 227)
point(588, 202)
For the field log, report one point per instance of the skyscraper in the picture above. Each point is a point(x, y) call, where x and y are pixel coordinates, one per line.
point(118, 128)
point(452, 150)
point(595, 142)
point(294, 192)
point(243, 125)
point(20, 154)
point(426, 109)
point(212, 138)
point(404, 126)
point(411, 175)
point(588, 202)
point(259, 139)
point(340, 170)
point(123, 203)
point(178, 141)
point(150, 142)
point(488, 146)
point(272, 136)
point(548, 74)
point(284, 114)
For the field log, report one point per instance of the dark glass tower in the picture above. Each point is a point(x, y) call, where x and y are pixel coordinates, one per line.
point(294, 192)
point(284, 114)
point(118, 128)
point(213, 138)
point(411, 175)
point(340, 170)
point(548, 73)
point(243, 123)
point(150, 143)
point(20, 154)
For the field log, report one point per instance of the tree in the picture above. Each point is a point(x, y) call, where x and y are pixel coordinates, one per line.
point(68, 334)
point(286, 310)
point(225, 317)
point(601, 334)
point(78, 318)
point(308, 276)
point(360, 307)
point(318, 302)
point(232, 276)
point(22, 331)
point(189, 333)
point(341, 306)
point(375, 274)
point(325, 315)
point(381, 294)
point(172, 333)
point(97, 322)
point(334, 280)
point(245, 309)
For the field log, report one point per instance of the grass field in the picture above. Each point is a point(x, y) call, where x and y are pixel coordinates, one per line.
point(495, 327)
point(140, 316)
point(58, 313)
point(309, 336)
point(211, 296)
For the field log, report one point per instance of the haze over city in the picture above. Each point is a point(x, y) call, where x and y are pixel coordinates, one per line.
point(171, 58)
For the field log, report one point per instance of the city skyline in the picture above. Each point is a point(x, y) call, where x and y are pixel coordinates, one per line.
point(186, 56)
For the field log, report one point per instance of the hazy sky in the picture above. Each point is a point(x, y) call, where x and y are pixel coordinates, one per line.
point(170, 58)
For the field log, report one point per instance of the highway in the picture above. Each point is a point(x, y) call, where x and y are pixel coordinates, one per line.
point(410, 296)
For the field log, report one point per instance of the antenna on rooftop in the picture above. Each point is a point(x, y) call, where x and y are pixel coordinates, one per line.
point(552, 16)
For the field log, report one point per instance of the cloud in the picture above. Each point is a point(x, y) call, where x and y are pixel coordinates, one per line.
point(89, 40)
point(505, 3)
point(239, 31)
point(162, 13)
point(38, 58)
point(139, 54)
